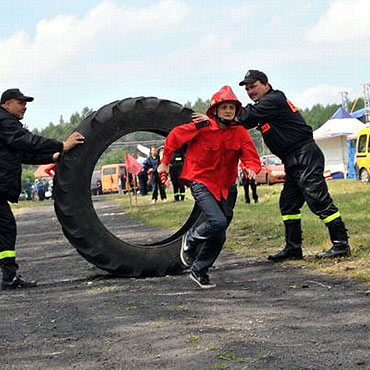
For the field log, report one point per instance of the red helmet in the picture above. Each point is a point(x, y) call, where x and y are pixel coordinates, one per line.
point(223, 95)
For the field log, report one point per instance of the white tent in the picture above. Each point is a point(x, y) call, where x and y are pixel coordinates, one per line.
point(331, 137)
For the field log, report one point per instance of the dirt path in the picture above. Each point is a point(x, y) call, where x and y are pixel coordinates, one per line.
point(260, 316)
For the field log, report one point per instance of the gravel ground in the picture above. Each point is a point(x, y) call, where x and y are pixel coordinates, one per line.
point(260, 316)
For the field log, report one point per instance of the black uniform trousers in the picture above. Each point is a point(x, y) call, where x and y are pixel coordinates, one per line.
point(252, 183)
point(8, 234)
point(143, 182)
point(178, 187)
point(305, 181)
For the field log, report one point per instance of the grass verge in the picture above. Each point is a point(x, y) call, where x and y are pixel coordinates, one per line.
point(18, 208)
point(257, 229)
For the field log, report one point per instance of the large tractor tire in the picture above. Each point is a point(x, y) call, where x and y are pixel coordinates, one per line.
point(73, 203)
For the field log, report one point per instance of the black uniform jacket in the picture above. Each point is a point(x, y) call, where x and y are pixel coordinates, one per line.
point(283, 128)
point(17, 146)
point(178, 157)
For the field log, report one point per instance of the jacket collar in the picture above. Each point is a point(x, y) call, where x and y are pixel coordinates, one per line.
point(214, 125)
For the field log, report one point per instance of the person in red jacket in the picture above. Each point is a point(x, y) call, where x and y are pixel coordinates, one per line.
point(210, 169)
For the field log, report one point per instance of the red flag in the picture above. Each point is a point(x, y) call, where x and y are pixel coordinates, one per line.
point(132, 165)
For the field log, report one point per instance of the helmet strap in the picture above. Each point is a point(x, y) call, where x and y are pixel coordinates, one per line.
point(226, 122)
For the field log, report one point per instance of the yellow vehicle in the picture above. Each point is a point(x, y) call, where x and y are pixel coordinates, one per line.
point(110, 174)
point(363, 154)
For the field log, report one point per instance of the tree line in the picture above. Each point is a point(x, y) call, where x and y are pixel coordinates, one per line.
point(315, 117)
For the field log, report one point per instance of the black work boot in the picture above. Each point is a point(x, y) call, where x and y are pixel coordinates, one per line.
point(293, 247)
point(339, 238)
point(17, 282)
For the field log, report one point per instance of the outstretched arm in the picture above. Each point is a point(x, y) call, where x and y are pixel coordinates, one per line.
point(177, 138)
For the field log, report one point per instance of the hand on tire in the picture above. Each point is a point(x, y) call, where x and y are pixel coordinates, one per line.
point(198, 117)
point(74, 139)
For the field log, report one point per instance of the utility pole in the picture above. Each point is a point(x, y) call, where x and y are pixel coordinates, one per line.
point(366, 91)
point(344, 96)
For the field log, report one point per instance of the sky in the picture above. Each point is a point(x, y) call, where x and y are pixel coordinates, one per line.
point(73, 54)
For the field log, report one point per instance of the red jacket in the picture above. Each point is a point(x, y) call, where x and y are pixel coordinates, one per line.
point(213, 154)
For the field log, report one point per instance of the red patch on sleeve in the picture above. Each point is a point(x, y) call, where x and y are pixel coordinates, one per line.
point(265, 127)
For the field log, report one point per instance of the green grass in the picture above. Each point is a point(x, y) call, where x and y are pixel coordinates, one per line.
point(191, 338)
point(257, 229)
point(17, 208)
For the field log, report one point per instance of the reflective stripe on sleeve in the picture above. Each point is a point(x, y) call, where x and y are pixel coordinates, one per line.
point(7, 254)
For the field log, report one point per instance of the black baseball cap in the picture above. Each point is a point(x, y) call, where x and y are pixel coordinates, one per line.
point(14, 94)
point(252, 76)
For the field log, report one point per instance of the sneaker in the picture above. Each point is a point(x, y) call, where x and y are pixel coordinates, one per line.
point(164, 200)
point(17, 282)
point(154, 201)
point(202, 280)
point(187, 254)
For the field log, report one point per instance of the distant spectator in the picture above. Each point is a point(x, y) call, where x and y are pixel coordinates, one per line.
point(121, 183)
point(41, 190)
point(28, 189)
point(152, 162)
point(249, 182)
point(99, 187)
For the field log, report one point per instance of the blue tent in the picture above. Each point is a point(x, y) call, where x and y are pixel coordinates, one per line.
point(340, 113)
point(358, 113)
point(332, 138)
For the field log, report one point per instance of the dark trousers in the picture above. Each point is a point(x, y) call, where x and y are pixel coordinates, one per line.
point(209, 237)
point(252, 183)
point(143, 182)
point(8, 234)
point(178, 187)
point(305, 181)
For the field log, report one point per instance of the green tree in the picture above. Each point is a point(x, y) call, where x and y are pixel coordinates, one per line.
point(62, 130)
point(27, 174)
point(200, 105)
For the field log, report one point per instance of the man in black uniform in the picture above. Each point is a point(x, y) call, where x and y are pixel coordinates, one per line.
point(287, 135)
point(17, 146)
point(176, 164)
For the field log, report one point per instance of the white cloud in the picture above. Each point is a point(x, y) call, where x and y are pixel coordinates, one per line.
point(64, 38)
point(323, 94)
point(345, 21)
point(242, 12)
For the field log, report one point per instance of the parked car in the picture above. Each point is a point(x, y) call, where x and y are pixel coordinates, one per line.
point(272, 170)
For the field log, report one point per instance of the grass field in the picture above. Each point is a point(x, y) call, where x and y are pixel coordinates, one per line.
point(18, 207)
point(257, 229)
